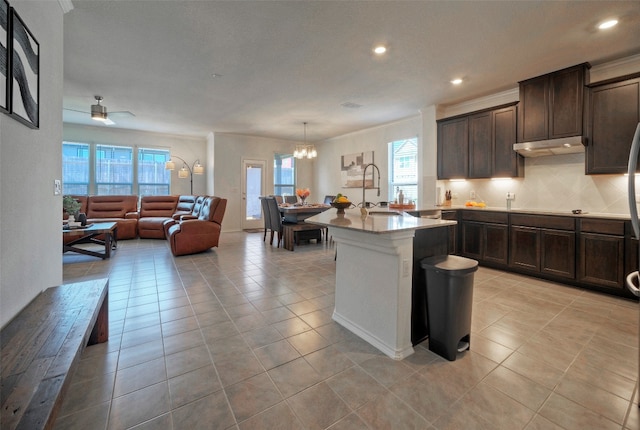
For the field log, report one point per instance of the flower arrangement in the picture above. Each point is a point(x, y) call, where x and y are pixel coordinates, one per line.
point(303, 193)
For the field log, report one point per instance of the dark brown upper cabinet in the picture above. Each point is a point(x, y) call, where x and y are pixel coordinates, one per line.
point(614, 113)
point(479, 145)
point(551, 106)
point(453, 148)
point(506, 161)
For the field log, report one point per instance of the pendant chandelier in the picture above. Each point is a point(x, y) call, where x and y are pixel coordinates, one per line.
point(305, 151)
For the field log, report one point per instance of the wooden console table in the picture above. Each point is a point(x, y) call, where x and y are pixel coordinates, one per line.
point(40, 350)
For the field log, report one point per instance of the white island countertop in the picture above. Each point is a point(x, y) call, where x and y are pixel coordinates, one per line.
point(379, 223)
point(374, 273)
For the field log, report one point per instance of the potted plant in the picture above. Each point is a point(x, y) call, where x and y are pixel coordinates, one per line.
point(72, 207)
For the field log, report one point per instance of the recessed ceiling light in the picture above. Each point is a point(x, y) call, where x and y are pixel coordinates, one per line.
point(457, 81)
point(608, 24)
point(380, 49)
point(351, 105)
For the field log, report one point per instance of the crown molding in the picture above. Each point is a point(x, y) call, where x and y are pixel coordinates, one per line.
point(491, 100)
point(66, 5)
point(621, 67)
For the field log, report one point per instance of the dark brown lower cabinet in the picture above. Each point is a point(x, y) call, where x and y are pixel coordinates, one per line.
point(496, 243)
point(485, 237)
point(601, 253)
point(472, 239)
point(525, 248)
point(558, 253)
point(594, 253)
point(453, 230)
point(543, 244)
point(602, 260)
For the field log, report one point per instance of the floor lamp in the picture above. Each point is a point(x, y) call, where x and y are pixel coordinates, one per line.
point(185, 171)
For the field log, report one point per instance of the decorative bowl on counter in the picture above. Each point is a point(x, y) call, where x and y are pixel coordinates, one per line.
point(341, 206)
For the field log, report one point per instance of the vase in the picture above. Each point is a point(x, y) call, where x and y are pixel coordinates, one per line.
point(303, 201)
point(82, 218)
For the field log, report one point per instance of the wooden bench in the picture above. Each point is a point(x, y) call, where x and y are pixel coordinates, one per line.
point(40, 349)
point(293, 233)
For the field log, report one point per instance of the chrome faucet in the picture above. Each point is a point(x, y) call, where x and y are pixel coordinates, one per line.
point(364, 186)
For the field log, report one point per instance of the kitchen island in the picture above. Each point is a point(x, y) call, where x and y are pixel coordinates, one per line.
point(378, 273)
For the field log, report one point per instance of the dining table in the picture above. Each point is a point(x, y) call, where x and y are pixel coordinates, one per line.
point(296, 213)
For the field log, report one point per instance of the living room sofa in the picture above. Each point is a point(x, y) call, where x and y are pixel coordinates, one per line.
point(120, 209)
point(161, 217)
point(154, 211)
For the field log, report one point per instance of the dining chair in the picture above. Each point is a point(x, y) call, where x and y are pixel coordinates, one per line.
point(291, 199)
point(266, 218)
point(279, 199)
point(275, 219)
point(328, 199)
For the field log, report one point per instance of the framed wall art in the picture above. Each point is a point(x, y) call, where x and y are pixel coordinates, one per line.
point(25, 81)
point(5, 78)
point(351, 169)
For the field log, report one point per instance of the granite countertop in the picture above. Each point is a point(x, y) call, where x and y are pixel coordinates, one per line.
point(584, 214)
point(380, 223)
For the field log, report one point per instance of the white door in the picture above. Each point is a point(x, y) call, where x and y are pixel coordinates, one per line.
point(253, 178)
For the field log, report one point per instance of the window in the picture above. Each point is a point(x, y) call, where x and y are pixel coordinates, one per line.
point(403, 168)
point(75, 168)
point(112, 170)
point(284, 175)
point(153, 178)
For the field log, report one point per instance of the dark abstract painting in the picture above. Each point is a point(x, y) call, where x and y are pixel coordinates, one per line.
point(4, 56)
point(25, 78)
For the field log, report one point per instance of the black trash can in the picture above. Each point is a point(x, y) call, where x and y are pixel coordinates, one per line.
point(449, 287)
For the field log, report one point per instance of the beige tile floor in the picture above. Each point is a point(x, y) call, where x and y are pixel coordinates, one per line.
point(241, 337)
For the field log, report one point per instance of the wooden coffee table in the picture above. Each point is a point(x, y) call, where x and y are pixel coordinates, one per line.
point(89, 234)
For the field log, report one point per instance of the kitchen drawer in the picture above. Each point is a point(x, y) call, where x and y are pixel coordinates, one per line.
point(544, 221)
point(602, 226)
point(492, 217)
point(450, 215)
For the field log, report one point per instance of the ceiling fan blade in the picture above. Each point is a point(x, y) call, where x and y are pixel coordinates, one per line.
point(75, 110)
point(122, 113)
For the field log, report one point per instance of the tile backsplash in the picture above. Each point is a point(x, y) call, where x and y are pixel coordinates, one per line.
point(555, 183)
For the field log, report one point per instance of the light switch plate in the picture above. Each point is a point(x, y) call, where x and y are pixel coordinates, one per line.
point(57, 187)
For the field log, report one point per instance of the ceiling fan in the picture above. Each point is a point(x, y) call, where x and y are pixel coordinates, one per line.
point(99, 112)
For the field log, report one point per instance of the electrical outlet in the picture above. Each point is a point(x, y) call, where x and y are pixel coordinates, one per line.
point(511, 196)
point(57, 187)
point(472, 195)
point(454, 195)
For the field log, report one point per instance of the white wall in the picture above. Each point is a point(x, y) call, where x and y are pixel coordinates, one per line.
point(327, 171)
point(231, 150)
point(555, 183)
point(188, 148)
point(30, 214)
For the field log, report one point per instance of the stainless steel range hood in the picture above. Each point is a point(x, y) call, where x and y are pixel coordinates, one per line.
point(541, 148)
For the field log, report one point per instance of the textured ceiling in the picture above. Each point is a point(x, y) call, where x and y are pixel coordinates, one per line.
point(281, 63)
